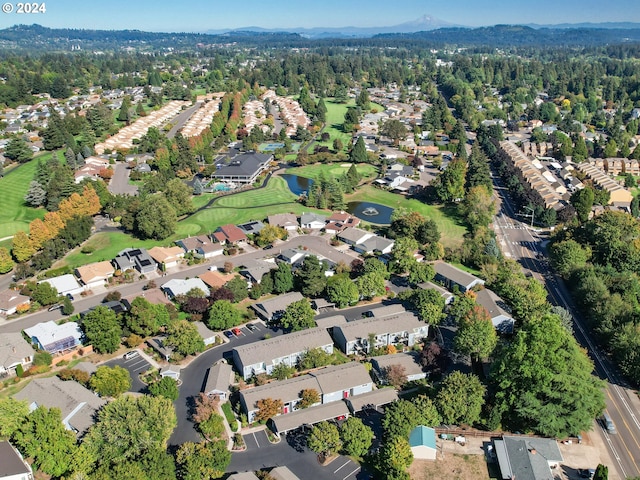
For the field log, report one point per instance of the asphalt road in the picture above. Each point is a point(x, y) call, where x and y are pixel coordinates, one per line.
point(119, 183)
point(135, 366)
point(179, 120)
point(523, 244)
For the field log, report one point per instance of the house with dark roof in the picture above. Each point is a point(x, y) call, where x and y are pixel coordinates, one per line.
point(201, 246)
point(243, 168)
point(262, 357)
point(253, 270)
point(452, 277)
point(229, 234)
point(137, 258)
point(14, 351)
point(527, 458)
point(159, 345)
point(251, 228)
point(12, 465)
point(273, 308)
point(77, 404)
point(502, 320)
point(219, 379)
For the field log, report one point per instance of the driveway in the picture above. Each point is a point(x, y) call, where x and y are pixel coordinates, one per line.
point(119, 183)
point(135, 366)
point(255, 440)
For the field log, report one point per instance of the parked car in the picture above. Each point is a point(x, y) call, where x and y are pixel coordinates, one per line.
point(70, 297)
point(228, 334)
point(586, 472)
point(131, 354)
point(251, 327)
point(268, 247)
point(237, 332)
point(57, 306)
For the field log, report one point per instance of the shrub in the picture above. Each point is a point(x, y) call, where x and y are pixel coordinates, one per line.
point(133, 340)
point(42, 359)
point(19, 370)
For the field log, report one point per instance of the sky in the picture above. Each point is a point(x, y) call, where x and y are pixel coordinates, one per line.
point(203, 15)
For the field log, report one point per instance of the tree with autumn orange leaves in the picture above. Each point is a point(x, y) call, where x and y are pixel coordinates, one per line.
point(87, 204)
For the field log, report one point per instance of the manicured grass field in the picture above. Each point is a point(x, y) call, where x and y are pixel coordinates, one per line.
point(335, 119)
point(451, 229)
point(333, 170)
point(15, 215)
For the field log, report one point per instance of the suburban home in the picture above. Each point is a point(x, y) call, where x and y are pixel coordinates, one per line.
point(55, 338)
point(372, 400)
point(167, 257)
point(288, 221)
point(422, 441)
point(14, 351)
point(333, 383)
point(502, 320)
point(339, 221)
point(137, 258)
point(78, 405)
point(178, 286)
point(312, 221)
point(242, 169)
point(274, 308)
point(95, 274)
point(261, 357)
point(253, 270)
point(219, 379)
point(12, 465)
point(375, 244)
point(400, 328)
point(159, 345)
point(215, 278)
point(527, 458)
point(229, 234)
point(353, 236)
point(292, 256)
point(444, 293)
point(171, 371)
point(10, 300)
point(65, 284)
point(201, 246)
point(251, 228)
point(452, 277)
point(409, 361)
point(208, 335)
point(116, 306)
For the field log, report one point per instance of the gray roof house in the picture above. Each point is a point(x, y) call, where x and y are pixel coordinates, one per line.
point(502, 320)
point(14, 351)
point(410, 361)
point(333, 383)
point(283, 473)
point(313, 221)
point(178, 286)
point(263, 356)
point(12, 465)
point(137, 258)
point(452, 277)
point(288, 221)
point(292, 255)
point(274, 307)
point(527, 458)
point(375, 244)
point(219, 379)
point(253, 270)
point(158, 344)
point(208, 335)
point(243, 168)
point(353, 235)
point(77, 404)
point(400, 328)
point(201, 246)
point(444, 293)
point(252, 227)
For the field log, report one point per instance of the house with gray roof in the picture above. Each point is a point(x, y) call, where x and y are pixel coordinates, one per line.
point(444, 293)
point(502, 320)
point(242, 169)
point(251, 228)
point(201, 246)
point(409, 361)
point(292, 256)
point(179, 286)
point(208, 335)
point(253, 270)
point(353, 236)
point(283, 473)
point(77, 404)
point(10, 300)
point(273, 308)
point(12, 465)
point(261, 357)
point(14, 351)
point(452, 277)
point(375, 244)
point(422, 441)
point(527, 458)
point(137, 258)
point(333, 383)
point(313, 221)
point(219, 379)
point(403, 328)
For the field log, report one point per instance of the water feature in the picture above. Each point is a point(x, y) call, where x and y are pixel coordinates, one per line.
point(371, 212)
point(297, 184)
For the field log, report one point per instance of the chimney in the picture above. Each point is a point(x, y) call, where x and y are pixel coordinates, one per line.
point(533, 451)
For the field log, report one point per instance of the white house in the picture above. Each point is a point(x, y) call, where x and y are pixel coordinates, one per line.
point(65, 284)
point(55, 338)
point(10, 300)
point(178, 286)
point(312, 221)
point(219, 379)
point(14, 351)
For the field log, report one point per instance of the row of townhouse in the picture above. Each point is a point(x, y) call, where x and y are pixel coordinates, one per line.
point(365, 242)
point(291, 112)
point(619, 196)
point(202, 118)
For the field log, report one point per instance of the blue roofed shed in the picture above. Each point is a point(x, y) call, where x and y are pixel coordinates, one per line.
point(423, 443)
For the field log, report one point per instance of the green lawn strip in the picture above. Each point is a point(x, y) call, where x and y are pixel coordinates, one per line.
point(228, 414)
point(15, 215)
point(451, 229)
point(334, 121)
point(333, 170)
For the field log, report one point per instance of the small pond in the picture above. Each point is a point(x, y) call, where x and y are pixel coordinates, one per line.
point(297, 184)
point(371, 212)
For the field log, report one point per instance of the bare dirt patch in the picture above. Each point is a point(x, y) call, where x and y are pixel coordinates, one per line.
point(452, 467)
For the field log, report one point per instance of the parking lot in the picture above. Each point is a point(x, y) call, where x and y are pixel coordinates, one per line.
point(256, 440)
point(135, 366)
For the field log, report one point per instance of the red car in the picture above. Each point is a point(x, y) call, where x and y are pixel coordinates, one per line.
point(237, 332)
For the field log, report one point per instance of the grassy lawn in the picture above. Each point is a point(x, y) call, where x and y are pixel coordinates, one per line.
point(335, 119)
point(451, 229)
point(14, 213)
point(333, 170)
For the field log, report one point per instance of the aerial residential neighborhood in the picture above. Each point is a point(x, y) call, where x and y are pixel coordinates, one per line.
point(342, 253)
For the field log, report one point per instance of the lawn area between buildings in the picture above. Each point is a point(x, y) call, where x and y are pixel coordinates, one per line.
point(334, 121)
point(333, 170)
point(15, 215)
point(451, 229)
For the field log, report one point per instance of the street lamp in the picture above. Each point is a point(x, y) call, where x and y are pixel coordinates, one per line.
point(532, 214)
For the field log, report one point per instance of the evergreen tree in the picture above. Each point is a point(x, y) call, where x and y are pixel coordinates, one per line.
point(18, 150)
point(359, 151)
point(54, 135)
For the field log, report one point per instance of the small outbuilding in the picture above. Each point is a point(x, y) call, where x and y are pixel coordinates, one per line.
point(423, 443)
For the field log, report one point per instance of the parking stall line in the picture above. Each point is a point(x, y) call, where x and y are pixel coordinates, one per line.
point(256, 439)
point(357, 469)
point(343, 465)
